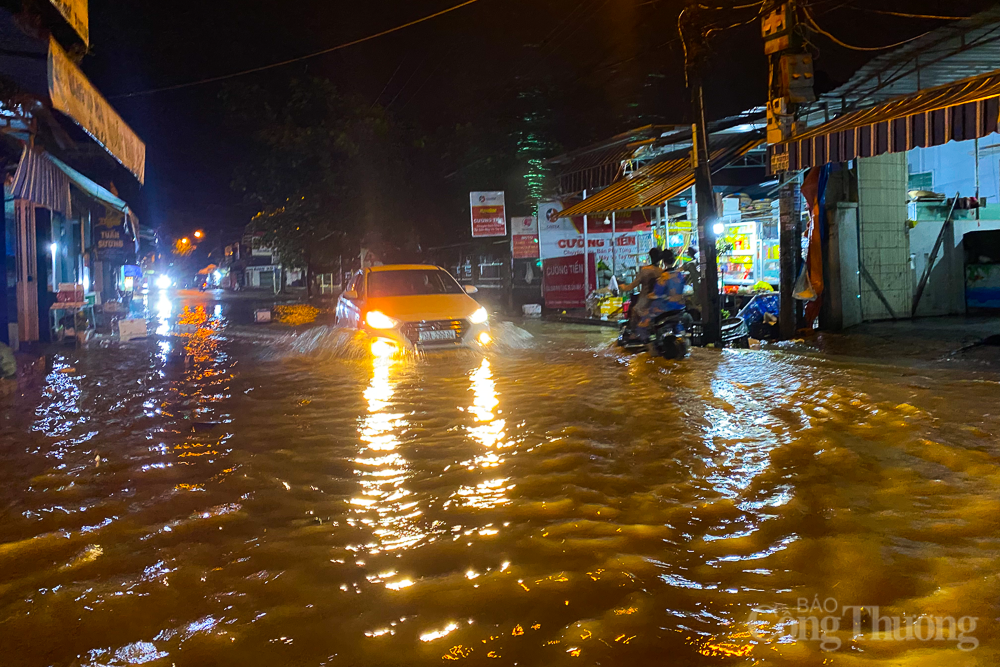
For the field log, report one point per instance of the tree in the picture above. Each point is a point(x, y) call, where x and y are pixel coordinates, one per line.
point(325, 171)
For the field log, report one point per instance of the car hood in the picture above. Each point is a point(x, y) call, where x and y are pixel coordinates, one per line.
point(425, 307)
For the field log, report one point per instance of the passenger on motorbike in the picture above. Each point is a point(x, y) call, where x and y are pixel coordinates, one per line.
point(645, 280)
point(667, 296)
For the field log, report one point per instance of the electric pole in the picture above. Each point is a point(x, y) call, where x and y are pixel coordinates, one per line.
point(790, 84)
point(692, 32)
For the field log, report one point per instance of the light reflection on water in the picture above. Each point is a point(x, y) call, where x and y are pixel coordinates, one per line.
point(199, 499)
point(385, 505)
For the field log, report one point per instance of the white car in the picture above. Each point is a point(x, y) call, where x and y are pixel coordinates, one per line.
point(413, 306)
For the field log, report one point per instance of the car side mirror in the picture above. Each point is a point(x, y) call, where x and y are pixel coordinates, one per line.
point(471, 289)
point(350, 294)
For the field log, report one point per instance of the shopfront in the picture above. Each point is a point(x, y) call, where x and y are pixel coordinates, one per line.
point(921, 180)
point(53, 210)
point(654, 206)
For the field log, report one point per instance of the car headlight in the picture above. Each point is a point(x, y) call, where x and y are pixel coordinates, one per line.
point(377, 320)
point(163, 282)
point(479, 317)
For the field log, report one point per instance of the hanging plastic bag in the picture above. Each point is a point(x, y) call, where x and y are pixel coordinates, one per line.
point(803, 287)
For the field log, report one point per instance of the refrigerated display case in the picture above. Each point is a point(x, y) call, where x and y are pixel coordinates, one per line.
point(751, 237)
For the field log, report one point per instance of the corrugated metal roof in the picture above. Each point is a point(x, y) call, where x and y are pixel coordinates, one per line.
point(663, 178)
point(951, 53)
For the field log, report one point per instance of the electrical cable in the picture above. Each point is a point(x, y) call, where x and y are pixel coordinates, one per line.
point(910, 16)
point(752, 4)
point(562, 24)
point(386, 85)
point(815, 26)
point(294, 60)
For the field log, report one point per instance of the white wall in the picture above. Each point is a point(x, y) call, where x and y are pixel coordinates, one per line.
point(945, 291)
point(954, 171)
point(954, 167)
point(885, 246)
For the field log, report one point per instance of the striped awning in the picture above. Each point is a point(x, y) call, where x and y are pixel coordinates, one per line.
point(663, 179)
point(967, 109)
point(41, 182)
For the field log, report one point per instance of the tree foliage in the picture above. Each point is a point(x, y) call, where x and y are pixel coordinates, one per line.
point(326, 171)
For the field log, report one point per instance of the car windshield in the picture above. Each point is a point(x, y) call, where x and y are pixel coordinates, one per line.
point(411, 283)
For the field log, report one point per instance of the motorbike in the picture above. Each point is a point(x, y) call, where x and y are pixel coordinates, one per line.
point(670, 337)
point(675, 333)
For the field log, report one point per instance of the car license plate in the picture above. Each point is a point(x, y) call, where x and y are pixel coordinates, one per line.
point(429, 336)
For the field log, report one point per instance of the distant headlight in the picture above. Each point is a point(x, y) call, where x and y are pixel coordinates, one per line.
point(377, 320)
point(480, 316)
point(163, 282)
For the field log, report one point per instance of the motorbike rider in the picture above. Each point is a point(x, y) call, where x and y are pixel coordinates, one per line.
point(646, 281)
point(667, 296)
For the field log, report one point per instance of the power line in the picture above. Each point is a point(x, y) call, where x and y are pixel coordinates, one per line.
point(910, 16)
point(298, 59)
point(815, 26)
point(405, 84)
point(387, 84)
point(752, 4)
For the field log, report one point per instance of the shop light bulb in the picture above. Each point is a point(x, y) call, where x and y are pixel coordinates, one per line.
point(480, 316)
point(719, 229)
point(54, 248)
point(377, 320)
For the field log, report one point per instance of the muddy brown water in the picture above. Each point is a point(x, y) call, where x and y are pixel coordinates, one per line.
point(265, 496)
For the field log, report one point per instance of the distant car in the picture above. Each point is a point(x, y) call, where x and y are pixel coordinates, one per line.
point(413, 306)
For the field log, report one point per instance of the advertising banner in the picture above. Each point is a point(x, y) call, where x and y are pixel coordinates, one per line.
point(489, 215)
point(562, 237)
point(75, 13)
point(562, 285)
point(73, 94)
point(524, 238)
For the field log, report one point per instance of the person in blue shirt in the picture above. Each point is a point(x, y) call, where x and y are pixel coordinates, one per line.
point(667, 295)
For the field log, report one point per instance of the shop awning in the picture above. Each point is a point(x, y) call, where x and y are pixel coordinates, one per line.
point(598, 165)
point(41, 182)
point(659, 181)
point(967, 109)
point(92, 189)
point(100, 194)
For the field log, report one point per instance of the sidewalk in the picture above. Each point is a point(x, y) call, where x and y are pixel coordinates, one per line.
point(932, 339)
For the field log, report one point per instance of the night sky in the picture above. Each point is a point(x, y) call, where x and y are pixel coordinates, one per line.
point(618, 64)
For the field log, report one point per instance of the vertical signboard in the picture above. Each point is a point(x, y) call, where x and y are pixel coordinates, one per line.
point(489, 215)
point(524, 238)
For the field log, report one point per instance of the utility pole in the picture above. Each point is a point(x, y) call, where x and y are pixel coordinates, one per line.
point(694, 40)
point(790, 84)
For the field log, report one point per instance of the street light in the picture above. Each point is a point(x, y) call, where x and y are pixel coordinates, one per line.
point(198, 234)
point(185, 241)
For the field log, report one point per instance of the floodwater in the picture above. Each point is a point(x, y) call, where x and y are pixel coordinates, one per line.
point(225, 494)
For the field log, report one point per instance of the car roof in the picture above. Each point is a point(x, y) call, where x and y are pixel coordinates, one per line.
point(405, 267)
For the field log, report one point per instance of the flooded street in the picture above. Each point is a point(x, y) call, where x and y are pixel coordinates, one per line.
point(225, 494)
